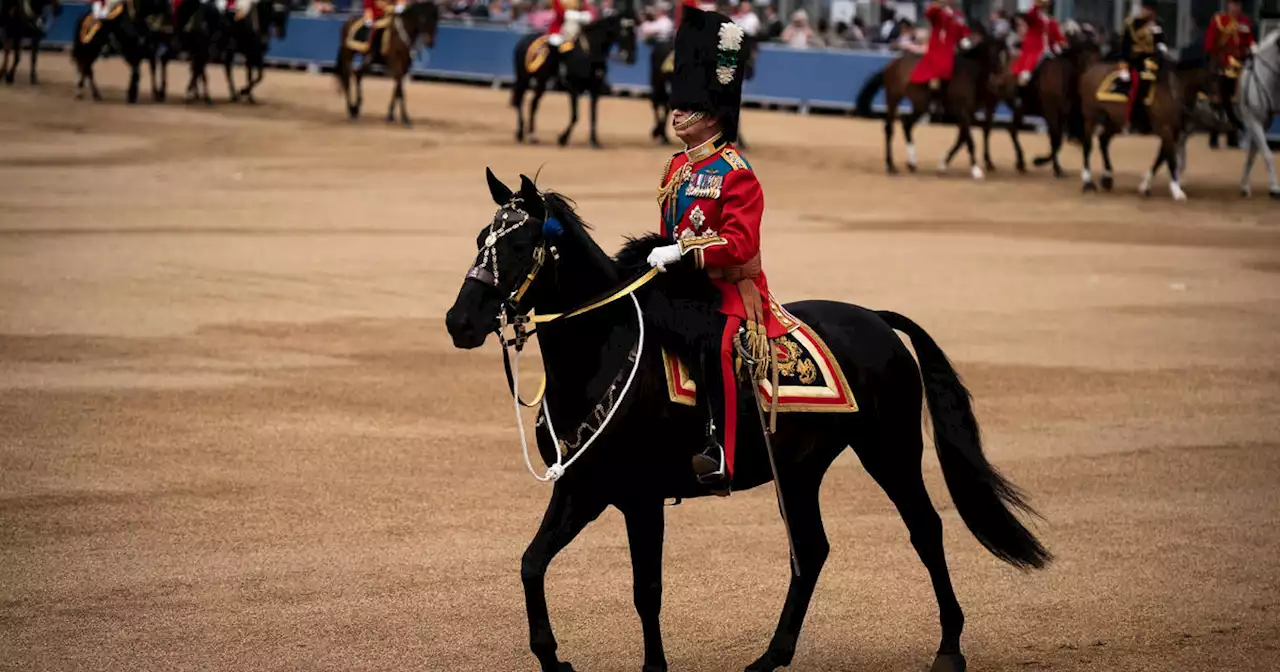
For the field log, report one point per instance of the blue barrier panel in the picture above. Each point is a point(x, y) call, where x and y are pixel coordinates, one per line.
point(813, 78)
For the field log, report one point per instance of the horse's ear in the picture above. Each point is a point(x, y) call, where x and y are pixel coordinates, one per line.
point(501, 194)
point(532, 199)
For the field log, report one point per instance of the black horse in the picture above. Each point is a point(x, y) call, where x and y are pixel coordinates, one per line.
point(153, 20)
point(249, 36)
point(118, 30)
point(661, 67)
point(197, 25)
point(19, 20)
point(643, 456)
point(580, 71)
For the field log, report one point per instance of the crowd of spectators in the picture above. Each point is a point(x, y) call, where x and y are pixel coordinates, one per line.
point(760, 19)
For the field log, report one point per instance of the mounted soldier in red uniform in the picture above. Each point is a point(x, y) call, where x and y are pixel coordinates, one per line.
point(712, 206)
point(1043, 38)
point(1228, 41)
point(947, 30)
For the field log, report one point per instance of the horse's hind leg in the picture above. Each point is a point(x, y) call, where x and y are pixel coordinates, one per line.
point(573, 119)
point(539, 88)
point(595, 101)
point(644, 536)
point(15, 45)
point(135, 75)
point(1086, 161)
point(567, 514)
point(231, 81)
point(908, 134)
point(898, 473)
point(800, 492)
point(890, 116)
point(1104, 145)
point(1145, 187)
point(35, 53)
point(988, 120)
point(404, 109)
point(1171, 150)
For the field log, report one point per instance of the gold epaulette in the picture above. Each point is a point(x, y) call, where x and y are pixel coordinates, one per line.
point(734, 159)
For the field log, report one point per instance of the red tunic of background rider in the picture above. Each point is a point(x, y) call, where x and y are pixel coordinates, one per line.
point(947, 30)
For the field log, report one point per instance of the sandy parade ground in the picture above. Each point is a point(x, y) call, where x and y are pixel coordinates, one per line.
point(234, 434)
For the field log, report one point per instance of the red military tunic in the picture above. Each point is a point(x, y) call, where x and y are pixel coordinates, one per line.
point(1227, 40)
point(946, 31)
point(712, 207)
point(1042, 33)
point(375, 9)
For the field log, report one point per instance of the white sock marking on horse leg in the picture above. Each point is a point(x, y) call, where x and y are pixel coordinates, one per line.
point(1086, 176)
point(1176, 190)
point(1145, 186)
point(976, 171)
point(911, 154)
point(942, 165)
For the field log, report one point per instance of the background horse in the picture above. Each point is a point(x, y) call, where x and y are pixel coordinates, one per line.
point(118, 29)
point(660, 84)
point(1106, 117)
point(153, 20)
point(417, 22)
point(196, 27)
point(21, 19)
point(1053, 89)
point(1257, 104)
point(249, 36)
point(970, 85)
point(651, 440)
point(584, 70)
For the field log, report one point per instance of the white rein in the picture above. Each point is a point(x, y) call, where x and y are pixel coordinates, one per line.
point(555, 471)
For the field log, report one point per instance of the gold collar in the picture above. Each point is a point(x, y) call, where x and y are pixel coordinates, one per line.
point(706, 150)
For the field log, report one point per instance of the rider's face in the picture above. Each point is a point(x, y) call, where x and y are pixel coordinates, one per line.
point(694, 128)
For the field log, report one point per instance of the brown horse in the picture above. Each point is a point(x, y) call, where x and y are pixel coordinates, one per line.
point(968, 89)
point(19, 20)
point(1050, 94)
point(1171, 96)
point(390, 46)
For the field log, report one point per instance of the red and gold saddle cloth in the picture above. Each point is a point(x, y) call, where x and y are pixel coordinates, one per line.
point(809, 377)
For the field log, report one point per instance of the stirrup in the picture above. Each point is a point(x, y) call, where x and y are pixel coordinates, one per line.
point(711, 477)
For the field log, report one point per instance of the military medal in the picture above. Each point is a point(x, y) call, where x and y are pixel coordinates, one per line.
point(702, 185)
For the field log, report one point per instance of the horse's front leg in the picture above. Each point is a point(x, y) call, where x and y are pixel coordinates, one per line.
point(595, 101)
point(644, 535)
point(988, 120)
point(228, 65)
point(567, 513)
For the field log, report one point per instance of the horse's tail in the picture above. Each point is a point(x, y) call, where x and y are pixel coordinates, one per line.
point(983, 497)
point(868, 93)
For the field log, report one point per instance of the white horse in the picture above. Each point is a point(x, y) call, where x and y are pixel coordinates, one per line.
point(1257, 105)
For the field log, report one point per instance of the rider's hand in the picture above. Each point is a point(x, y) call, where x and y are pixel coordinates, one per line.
point(661, 257)
point(1162, 48)
point(1124, 75)
point(1253, 49)
point(966, 44)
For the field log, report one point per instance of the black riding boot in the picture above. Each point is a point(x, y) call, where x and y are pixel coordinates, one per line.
point(709, 464)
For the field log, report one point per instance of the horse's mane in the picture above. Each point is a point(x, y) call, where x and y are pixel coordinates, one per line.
point(680, 305)
point(633, 258)
point(1196, 61)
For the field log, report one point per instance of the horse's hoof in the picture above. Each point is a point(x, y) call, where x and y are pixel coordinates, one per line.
point(1246, 192)
point(1040, 161)
point(562, 140)
point(1090, 186)
point(1275, 194)
point(595, 144)
point(770, 661)
point(391, 119)
point(991, 167)
point(949, 662)
point(1059, 173)
point(891, 169)
point(1145, 193)
point(406, 123)
point(977, 173)
point(662, 667)
point(1108, 182)
point(911, 167)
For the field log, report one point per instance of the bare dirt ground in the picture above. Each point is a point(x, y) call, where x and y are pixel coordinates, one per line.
point(234, 435)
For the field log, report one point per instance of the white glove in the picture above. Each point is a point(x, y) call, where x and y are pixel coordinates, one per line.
point(1253, 49)
point(661, 257)
point(1124, 75)
point(1162, 48)
point(966, 44)
point(555, 39)
point(399, 8)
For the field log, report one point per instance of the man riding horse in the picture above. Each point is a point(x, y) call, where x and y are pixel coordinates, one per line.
point(947, 30)
point(1141, 47)
point(1228, 41)
point(712, 205)
point(1043, 37)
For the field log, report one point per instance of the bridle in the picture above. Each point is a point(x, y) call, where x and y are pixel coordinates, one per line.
point(486, 271)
